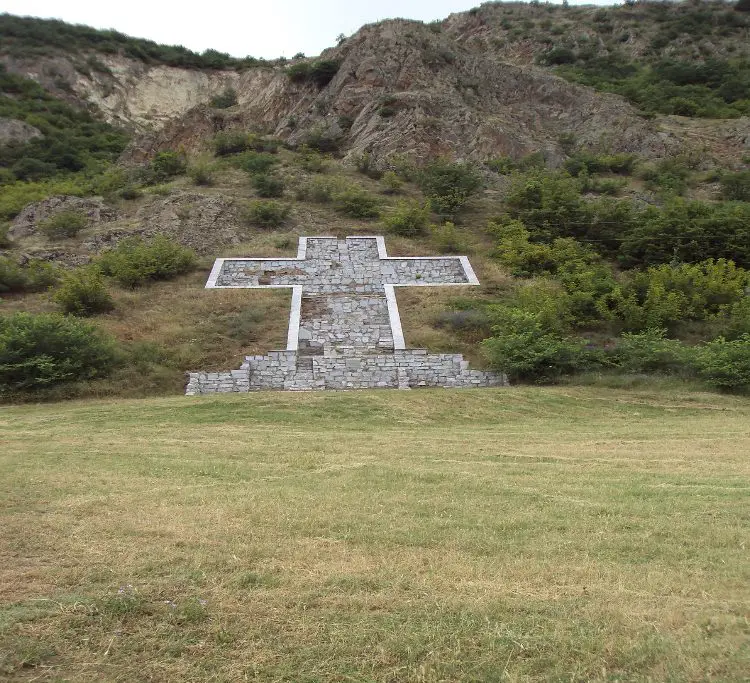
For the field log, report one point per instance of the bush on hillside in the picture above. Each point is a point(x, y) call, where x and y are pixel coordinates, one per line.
point(355, 202)
point(267, 185)
point(165, 165)
point(225, 99)
point(688, 231)
point(266, 213)
point(667, 296)
point(34, 276)
point(392, 184)
point(73, 140)
point(320, 72)
point(524, 349)
point(255, 162)
point(82, 292)
point(449, 185)
point(134, 262)
point(201, 174)
point(408, 219)
point(38, 351)
point(549, 204)
point(310, 159)
point(365, 164)
point(448, 239)
point(725, 364)
point(232, 142)
point(651, 352)
point(736, 186)
point(67, 223)
point(584, 162)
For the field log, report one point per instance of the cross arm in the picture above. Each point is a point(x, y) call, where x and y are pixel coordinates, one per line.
point(258, 273)
point(428, 271)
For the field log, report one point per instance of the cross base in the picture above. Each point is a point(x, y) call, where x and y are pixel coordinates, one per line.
point(347, 369)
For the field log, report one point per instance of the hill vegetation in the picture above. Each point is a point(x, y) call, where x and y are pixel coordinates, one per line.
point(686, 58)
point(603, 266)
point(28, 37)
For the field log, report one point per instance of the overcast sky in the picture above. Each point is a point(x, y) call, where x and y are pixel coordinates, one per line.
point(261, 28)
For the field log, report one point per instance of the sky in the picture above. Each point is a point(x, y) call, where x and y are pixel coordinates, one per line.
point(260, 28)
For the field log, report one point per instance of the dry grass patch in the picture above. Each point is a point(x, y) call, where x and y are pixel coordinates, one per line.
point(526, 534)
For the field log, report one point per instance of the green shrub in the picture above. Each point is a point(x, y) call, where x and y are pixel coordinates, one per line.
point(267, 144)
point(13, 278)
point(165, 165)
point(130, 192)
point(737, 319)
point(583, 162)
point(549, 204)
point(448, 185)
point(74, 141)
point(224, 100)
point(299, 73)
point(688, 231)
point(669, 176)
point(725, 364)
point(736, 186)
point(266, 213)
point(667, 295)
point(134, 262)
point(447, 238)
point(233, 142)
point(503, 165)
point(267, 185)
point(320, 189)
point(201, 174)
point(42, 350)
point(366, 165)
point(650, 351)
point(609, 186)
point(255, 162)
point(310, 159)
point(525, 350)
point(392, 184)
point(408, 219)
point(558, 55)
point(320, 72)
point(82, 292)
point(355, 202)
point(323, 140)
point(4, 237)
point(67, 223)
point(526, 259)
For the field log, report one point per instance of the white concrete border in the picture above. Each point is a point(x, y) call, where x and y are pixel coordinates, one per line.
point(215, 271)
point(394, 318)
point(292, 337)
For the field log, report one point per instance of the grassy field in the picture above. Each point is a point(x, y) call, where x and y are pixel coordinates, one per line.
point(526, 534)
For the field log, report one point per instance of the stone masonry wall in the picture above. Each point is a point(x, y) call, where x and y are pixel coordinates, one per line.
point(345, 331)
point(403, 369)
point(335, 320)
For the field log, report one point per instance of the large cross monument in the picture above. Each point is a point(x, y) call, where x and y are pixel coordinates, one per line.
point(344, 327)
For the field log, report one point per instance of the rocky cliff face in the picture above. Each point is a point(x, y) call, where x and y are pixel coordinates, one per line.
point(402, 88)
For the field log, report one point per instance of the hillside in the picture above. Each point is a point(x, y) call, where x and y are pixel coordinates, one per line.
point(589, 161)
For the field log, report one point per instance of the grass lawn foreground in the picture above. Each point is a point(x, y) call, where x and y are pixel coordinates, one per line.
point(564, 533)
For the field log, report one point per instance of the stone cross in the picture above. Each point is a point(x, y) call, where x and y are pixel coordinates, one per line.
point(342, 290)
